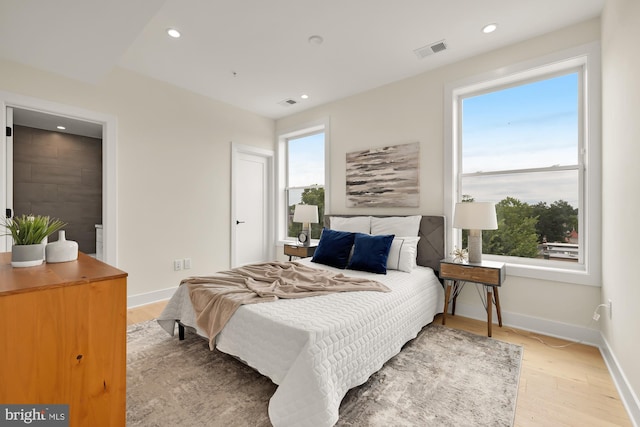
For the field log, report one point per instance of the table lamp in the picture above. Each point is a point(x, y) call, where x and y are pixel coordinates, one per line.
point(306, 214)
point(475, 217)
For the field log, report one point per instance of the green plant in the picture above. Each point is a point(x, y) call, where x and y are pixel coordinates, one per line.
point(31, 229)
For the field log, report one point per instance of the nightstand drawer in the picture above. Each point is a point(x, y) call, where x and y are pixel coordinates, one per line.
point(471, 273)
point(299, 251)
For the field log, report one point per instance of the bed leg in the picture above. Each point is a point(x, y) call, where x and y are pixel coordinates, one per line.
point(180, 331)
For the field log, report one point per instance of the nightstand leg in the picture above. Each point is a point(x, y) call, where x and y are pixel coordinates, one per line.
point(497, 297)
point(453, 303)
point(489, 310)
point(447, 295)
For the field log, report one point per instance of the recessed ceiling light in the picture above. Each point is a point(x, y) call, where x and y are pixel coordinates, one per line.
point(489, 28)
point(61, 127)
point(304, 96)
point(173, 33)
point(315, 39)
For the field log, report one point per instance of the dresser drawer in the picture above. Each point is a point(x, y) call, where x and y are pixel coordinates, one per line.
point(471, 273)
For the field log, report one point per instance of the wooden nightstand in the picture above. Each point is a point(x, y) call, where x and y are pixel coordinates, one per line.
point(487, 273)
point(299, 250)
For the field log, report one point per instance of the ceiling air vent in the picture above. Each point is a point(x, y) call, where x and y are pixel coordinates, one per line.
point(425, 51)
point(288, 102)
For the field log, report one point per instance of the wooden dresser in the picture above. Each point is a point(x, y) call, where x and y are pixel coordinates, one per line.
point(63, 338)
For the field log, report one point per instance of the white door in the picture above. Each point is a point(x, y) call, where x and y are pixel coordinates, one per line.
point(6, 182)
point(251, 217)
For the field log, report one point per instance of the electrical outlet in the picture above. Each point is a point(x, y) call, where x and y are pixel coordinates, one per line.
point(177, 264)
point(596, 316)
point(610, 309)
point(187, 263)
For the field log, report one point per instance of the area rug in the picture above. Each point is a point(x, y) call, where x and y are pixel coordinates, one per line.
point(444, 377)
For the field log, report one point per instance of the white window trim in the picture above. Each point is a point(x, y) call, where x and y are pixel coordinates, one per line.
point(587, 57)
point(308, 128)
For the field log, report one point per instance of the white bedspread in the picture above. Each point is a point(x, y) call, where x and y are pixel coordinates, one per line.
point(315, 349)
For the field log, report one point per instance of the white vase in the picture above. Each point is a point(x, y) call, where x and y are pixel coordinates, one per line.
point(27, 255)
point(62, 250)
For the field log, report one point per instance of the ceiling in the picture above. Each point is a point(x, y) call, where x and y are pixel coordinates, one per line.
point(254, 54)
point(40, 120)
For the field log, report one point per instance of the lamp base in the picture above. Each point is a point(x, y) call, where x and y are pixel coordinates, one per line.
point(475, 246)
point(305, 236)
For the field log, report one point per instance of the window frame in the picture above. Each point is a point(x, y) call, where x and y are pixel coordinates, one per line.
point(585, 59)
point(319, 126)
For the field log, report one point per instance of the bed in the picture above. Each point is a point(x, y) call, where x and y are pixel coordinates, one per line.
point(316, 349)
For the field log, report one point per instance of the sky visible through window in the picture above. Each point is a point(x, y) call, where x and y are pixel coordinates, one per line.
point(306, 163)
point(529, 126)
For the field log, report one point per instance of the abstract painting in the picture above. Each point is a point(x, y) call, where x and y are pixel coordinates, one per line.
point(384, 177)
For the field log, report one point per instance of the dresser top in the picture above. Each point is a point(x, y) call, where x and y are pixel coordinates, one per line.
point(24, 279)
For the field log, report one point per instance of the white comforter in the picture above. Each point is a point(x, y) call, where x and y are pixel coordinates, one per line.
point(315, 349)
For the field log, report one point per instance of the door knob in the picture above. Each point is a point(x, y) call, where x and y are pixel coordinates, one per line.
point(239, 222)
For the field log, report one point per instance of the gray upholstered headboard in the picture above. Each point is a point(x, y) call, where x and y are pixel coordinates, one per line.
point(431, 244)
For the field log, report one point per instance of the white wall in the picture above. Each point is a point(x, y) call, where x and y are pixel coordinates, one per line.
point(621, 177)
point(174, 151)
point(412, 110)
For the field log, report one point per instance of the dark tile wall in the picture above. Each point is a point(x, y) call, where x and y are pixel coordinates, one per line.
point(59, 175)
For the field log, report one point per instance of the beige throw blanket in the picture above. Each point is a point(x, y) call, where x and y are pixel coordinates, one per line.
point(216, 298)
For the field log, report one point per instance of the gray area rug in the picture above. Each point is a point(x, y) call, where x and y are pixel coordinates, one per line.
point(444, 377)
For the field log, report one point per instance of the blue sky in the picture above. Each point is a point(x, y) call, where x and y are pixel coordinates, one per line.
point(306, 160)
point(306, 163)
point(529, 126)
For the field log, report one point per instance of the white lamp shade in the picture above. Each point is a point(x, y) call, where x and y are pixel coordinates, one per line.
point(305, 214)
point(475, 216)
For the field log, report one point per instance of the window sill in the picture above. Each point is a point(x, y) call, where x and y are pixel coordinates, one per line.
point(557, 271)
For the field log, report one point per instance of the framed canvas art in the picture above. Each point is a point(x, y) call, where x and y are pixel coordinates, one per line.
point(384, 177)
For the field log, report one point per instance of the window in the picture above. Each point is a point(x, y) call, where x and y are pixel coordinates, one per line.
point(527, 142)
point(302, 175)
point(305, 179)
point(519, 149)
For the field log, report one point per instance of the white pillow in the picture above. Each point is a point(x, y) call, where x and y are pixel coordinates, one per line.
point(403, 254)
point(397, 225)
point(354, 224)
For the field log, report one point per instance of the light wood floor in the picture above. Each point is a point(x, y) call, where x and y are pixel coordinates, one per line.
point(568, 386)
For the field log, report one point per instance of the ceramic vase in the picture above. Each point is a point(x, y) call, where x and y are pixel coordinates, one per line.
point(27, 255)
point(62, 250)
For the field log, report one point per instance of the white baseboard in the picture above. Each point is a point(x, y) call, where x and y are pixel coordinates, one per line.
point(550, 328)
point(629, 398)
point(150, 297)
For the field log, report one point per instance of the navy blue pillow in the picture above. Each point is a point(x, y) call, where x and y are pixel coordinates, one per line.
point(370, 253)
point(334, 248)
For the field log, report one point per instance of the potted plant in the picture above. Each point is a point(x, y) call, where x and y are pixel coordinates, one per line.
point(29, 232)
